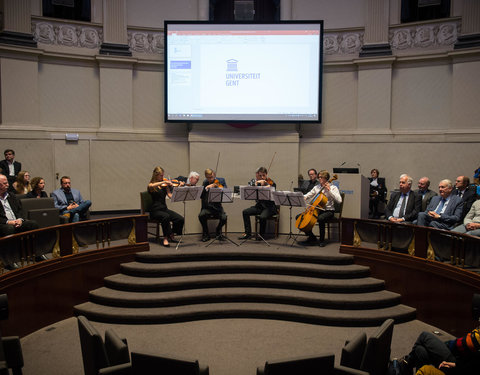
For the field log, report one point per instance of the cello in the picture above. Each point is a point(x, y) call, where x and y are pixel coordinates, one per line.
point(307, 220)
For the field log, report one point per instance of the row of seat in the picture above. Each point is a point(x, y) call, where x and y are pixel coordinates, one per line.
point(146, 203)
point(111, 356)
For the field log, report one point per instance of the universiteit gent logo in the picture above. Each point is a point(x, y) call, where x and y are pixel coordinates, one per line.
point(232, 65)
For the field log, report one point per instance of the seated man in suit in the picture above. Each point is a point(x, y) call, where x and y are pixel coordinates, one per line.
point(444, 211)
point(11, 220)
point(209, 209)
point(424, 192)
point(404, 205)
point(10, 168)
point(471, 223)
point(466, 192)
point(70, 202)
point(309, 184)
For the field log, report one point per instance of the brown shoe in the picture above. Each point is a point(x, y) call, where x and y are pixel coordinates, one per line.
point(66, 215)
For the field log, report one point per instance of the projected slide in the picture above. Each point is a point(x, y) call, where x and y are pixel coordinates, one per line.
point(243, 72)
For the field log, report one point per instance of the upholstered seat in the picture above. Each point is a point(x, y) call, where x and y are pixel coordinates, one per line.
point(320, 364)
point(376, 356)
point(97, 354)
point(150, 364)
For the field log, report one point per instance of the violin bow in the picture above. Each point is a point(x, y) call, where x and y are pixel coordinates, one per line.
point(271, 162)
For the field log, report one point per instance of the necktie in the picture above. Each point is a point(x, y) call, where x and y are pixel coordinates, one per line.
point(401, 213)
point(440, 206)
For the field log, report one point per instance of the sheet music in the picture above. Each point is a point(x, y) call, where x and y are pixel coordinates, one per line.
point(288, 198)
point(220, 195)
point(250, 193)
point(186, 193)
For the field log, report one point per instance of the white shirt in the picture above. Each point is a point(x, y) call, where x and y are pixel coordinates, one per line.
point(11, 168)
point(333, 196)
point(6, 206)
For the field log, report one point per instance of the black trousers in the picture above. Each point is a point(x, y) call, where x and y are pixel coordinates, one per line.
point(10, 255)
point(165, 217)
point(207, 213)
point(430, 350)
point(264, 213)
point(323, 216)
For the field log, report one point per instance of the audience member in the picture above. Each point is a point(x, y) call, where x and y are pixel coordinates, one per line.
point(466, 192)
point(403, 205)
point(11, 220)
point(211, 209)
point(309, 184)
point(70, 202)
point(471, 223)
point(459, 356)
point(38, 186)
point(444, 211)
point(378, 193)
point(425, 193)
point(10, 167)
point(22, 184)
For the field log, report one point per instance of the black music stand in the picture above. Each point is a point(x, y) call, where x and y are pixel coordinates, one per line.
point(256, 193)
point(183, 194)
point(289, 199)
point(220, 195)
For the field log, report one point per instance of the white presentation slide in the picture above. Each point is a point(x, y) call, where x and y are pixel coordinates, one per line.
point(243, 72)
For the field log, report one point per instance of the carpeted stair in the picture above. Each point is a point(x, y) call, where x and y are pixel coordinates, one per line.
point(297, 285)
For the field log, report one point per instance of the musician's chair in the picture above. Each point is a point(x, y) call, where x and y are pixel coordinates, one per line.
point(145, 205)
point(215, 218)
point(274, 218)
point(335, 220)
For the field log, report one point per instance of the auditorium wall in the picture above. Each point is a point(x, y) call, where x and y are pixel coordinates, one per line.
point(414, 112)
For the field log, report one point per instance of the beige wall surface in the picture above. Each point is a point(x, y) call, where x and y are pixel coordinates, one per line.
point(413, 112)
point(336, 15)
point(152, 13)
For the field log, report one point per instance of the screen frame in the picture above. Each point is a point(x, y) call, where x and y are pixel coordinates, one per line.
point(167, 23)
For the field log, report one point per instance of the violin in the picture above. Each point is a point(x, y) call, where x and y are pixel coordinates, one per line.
point(175, 183)
point(268, 180)
point(307, 220)
point(217, 183)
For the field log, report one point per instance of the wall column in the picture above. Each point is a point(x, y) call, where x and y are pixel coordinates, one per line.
point(376, 29)
point(285, 10)
point(115, 38)
point(374, 95)
point(203, 10)
point(17, 24)
point(470, 34)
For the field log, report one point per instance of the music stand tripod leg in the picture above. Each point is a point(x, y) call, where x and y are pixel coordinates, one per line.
point(183, 230)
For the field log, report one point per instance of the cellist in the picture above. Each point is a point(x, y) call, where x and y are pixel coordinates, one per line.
point(333, 196)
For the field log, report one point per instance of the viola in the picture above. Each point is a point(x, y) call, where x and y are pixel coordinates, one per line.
point(307, 220)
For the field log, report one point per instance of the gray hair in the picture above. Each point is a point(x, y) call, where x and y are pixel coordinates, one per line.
point(409, 179)
point(448, 182)
point(194, 174)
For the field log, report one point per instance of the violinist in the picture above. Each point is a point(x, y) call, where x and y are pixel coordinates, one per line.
point(159, 188)
point(264, 208)
point(210, 210)
point(333, 196)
